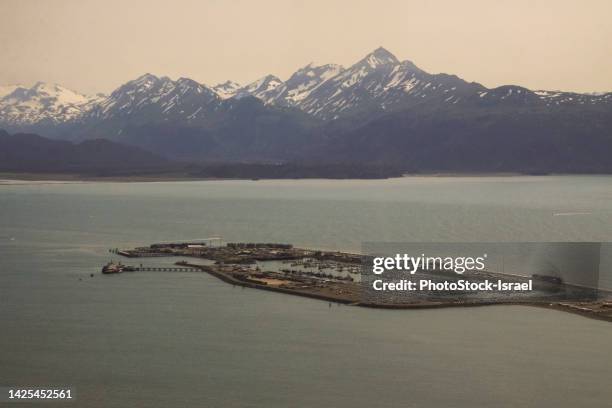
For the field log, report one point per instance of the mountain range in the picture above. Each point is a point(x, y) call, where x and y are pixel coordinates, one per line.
point(378, 110)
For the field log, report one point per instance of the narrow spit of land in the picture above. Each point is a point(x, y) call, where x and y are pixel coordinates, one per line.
point(335, 277)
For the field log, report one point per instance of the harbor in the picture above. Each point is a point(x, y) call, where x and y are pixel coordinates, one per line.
point(325, 275)
point(336, 277)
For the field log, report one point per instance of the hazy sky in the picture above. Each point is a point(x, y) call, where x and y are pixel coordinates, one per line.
point(94, 46)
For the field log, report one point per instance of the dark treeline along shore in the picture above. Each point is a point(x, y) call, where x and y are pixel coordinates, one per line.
point(336, 277)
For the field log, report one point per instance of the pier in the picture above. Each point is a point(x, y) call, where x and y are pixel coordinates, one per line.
point(164, 269)
point(112, 267)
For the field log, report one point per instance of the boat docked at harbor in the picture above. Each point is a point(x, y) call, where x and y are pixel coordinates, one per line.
point(113, 267)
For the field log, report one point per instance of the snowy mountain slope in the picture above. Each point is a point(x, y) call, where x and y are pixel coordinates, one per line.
point(265, 88)
point(292, 92)
point(376, 85)
point(152, 99)
point(227, 89)
point(42, 102)
point(381, 83)
point(572, 98)
point(353, 88)
point(303, 82)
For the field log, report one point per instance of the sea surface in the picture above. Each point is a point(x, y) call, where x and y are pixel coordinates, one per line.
point(159, 339)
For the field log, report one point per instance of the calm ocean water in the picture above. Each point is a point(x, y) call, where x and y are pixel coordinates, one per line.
point(159, 339)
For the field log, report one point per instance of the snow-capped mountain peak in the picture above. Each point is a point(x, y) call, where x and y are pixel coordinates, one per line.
point(264, 88)
point(156, 99)
point(185, 85)
point(145, 80)
point(375, 85)
point(42, 102)
point(264, 84)
point(61, 94)
point(227, 89)
point(378, 57)
point(307, 79)
point(311, 70)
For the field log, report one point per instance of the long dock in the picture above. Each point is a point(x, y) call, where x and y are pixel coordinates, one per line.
point(164, 269)
point(112, 267)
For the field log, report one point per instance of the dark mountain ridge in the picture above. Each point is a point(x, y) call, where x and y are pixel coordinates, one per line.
point(33, 153)
point(30, 153)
